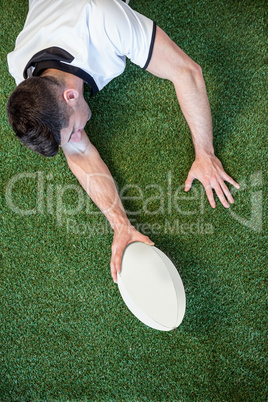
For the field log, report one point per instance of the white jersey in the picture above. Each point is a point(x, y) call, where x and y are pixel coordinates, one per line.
point(87, 38)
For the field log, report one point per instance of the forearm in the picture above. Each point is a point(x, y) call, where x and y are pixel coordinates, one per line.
point(94, 176)
point(170, 62)
point(192, 96)
point(96, 179)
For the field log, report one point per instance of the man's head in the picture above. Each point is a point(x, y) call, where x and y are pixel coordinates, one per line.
point(41, 110)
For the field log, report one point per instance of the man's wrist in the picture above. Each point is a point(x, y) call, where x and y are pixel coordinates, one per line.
point(120, 223)
point(204, 153)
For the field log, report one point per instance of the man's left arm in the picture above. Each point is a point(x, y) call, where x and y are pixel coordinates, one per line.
point(170, 62)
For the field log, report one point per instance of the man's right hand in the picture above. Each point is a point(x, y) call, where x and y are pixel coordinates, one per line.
point(124, 235)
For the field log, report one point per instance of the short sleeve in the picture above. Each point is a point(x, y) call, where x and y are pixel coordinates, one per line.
point(131, 33)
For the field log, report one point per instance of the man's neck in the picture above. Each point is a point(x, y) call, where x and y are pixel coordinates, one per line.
point(70, 80)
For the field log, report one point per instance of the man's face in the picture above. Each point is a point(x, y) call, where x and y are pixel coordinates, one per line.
point(79, 118)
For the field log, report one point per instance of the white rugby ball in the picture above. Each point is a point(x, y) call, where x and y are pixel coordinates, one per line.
point(151, 287)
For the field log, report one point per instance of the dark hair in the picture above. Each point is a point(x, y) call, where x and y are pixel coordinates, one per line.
point(37, 112)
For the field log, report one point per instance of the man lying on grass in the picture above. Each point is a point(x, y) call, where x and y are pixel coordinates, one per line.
point(66, 43)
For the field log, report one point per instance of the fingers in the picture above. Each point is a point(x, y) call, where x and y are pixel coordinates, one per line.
point(220, 193)
point(117, 253)
point(119, 245)
point(189, 181)
point(210, 195)
point(113, 270)
point(228, 178)
point(113, 273)
point(226, 192)
point(144, 239)
point(221, 190)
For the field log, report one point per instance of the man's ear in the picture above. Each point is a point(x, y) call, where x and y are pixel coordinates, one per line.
point(76, 137)
point(70, 96)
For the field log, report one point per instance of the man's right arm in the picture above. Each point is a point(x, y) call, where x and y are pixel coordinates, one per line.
point(96, 179)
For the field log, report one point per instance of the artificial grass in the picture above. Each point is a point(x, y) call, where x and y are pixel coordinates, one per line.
point(65, 331)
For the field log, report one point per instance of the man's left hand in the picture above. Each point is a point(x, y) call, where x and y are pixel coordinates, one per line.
point(209, 171)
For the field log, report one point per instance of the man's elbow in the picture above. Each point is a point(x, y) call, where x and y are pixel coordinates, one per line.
point(196, 69)
point(191, 70)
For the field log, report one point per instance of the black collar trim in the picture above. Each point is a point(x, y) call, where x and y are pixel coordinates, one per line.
point(52, 58)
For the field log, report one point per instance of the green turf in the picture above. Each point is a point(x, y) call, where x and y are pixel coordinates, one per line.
point(65, 332)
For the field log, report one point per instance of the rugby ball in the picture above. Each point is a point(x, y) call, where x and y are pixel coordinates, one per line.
point(151, 287)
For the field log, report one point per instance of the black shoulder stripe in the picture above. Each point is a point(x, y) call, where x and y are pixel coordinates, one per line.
point(151, 47)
